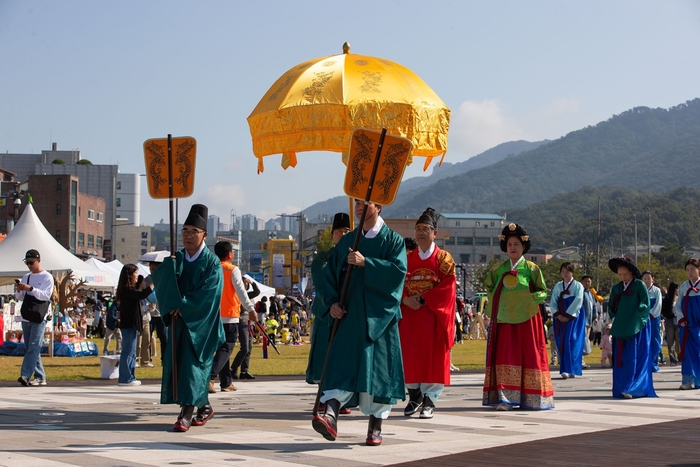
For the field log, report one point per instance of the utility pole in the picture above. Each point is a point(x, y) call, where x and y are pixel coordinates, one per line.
point(635, 239)
point(649, 243)
point(597, 243)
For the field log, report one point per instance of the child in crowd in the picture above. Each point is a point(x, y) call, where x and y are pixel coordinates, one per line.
point(606, 346)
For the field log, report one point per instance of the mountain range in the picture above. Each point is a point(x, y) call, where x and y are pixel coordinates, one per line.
point(652, 150)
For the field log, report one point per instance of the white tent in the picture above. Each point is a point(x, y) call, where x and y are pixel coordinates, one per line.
point(30, 233)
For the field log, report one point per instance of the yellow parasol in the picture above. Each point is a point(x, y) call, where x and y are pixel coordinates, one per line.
point(316, 105)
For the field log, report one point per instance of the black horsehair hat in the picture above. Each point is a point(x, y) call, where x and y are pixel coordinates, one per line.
point(198, 216)
point(614, 263)
point(514, 230)
point(429, 217)
point(341, 221)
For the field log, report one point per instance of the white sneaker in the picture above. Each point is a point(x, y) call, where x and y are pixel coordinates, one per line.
point(503, 407)
point(137, 366)
point(565, 376)
point(626, 395)
point(148, 365)
point(134, 382)
point(37, 382)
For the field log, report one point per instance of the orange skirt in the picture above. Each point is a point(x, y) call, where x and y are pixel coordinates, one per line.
point(517, 369)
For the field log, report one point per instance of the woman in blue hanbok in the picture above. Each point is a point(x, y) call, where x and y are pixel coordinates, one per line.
point(654, 322)
point(687, 310)
point(569, 322)
point(629, 307)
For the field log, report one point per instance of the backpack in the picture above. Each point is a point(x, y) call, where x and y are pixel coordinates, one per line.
point(111, 319)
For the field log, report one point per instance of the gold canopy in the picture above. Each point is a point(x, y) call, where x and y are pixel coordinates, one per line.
point(316, 106)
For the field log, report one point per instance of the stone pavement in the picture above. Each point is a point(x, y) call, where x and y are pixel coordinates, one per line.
point(267, 422)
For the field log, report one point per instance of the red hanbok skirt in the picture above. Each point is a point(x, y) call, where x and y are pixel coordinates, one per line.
point(517, 368)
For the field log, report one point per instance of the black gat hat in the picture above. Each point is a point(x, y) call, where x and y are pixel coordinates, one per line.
point(198, 216)
point(614, 263)
point(341, 221)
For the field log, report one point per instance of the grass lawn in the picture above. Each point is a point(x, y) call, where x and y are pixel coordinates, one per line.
point(466, 356)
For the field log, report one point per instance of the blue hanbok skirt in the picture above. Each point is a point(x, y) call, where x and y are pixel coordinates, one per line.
point(570, 343)
point(632, 365)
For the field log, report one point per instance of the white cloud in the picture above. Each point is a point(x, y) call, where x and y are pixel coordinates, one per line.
point(480, 125)
point(558, 107)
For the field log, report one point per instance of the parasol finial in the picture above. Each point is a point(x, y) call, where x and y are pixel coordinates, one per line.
point(346, 48)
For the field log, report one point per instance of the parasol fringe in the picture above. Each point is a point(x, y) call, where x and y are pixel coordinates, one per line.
point(428, 161)
point(289, 159)
point(261, 165)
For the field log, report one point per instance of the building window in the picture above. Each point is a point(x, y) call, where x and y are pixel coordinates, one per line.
point(496, 241)
point(456, 223)
point(91, 215)
point(119, 202)
point(482, 258)
point(81, 239)
point(486, 226)
point(493, 224)
point(91, 241)
point(58, 184)
point(100, 217)
point(119, 185)
point(58, 209)
point(99, 242)
point(450, 241)
point(465, 241)
point(533, 259)
point(58, 235)
point(478, 224)
point(465, 257)
point(482, 241)
point(440, 243)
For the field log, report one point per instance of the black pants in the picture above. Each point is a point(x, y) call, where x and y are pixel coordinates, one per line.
point(242, 358)
point(596, 337)
point(223, 354)
point(158, 325)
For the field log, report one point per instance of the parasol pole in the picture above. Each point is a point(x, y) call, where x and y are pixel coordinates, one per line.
point(262, 331)
point(172, 254)
point(346, 283)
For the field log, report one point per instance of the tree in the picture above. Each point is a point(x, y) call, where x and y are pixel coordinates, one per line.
point(84, 162)
point(481, 273)
point(325, 240)
point(671, 255)
point(58, 162)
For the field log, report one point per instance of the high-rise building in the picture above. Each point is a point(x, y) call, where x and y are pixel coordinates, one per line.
point(213, 224)
point(248, 222)
point(259, 224)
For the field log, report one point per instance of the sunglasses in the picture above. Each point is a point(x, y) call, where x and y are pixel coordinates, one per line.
point(29, 263)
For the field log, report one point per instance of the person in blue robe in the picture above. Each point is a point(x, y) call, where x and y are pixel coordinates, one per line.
point(569, 322)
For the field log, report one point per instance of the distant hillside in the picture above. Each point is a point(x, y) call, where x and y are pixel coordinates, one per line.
point(571, 218)
point(641, 148)
point(488, 157)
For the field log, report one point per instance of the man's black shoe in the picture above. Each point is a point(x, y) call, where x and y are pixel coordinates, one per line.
point(246, 375)
point(203, 415)
point(23, 381)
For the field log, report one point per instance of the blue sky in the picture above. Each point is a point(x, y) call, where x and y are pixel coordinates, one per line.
point(106, 76)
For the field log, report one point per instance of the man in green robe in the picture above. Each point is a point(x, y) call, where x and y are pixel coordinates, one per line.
point(188, 288)
point(323, 323)
point(364, 363)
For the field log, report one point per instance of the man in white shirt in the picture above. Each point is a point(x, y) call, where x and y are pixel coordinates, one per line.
point(34, 291)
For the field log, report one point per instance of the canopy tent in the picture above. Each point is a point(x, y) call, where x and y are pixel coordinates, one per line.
point(30, 233)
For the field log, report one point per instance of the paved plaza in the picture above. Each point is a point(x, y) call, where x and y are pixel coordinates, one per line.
point(267, 422)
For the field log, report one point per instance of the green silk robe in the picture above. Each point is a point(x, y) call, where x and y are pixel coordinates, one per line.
point(323, 323)
point(630, 311)
point(365, 355)
point(195, 289)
